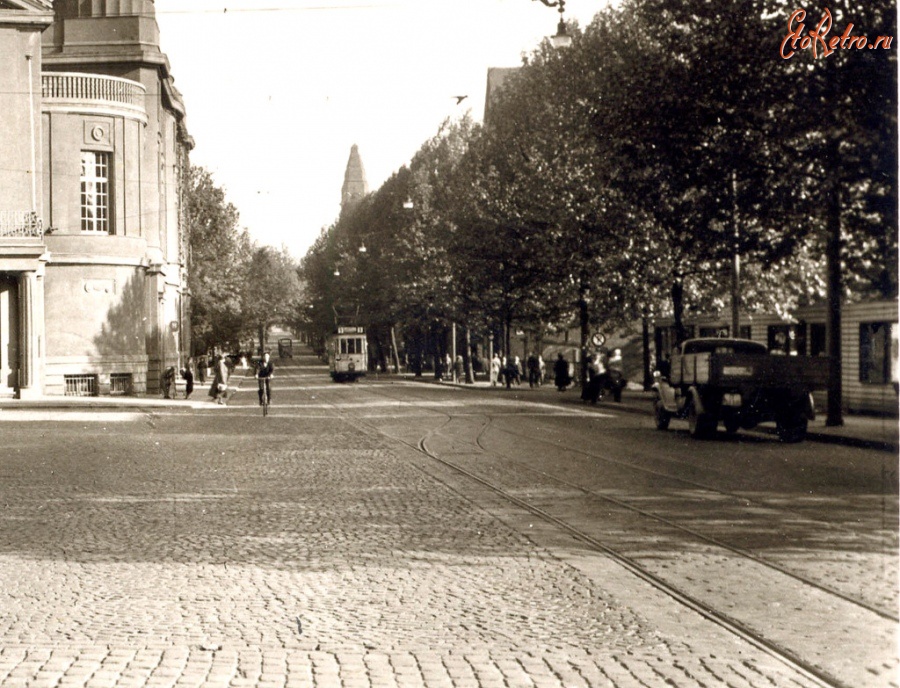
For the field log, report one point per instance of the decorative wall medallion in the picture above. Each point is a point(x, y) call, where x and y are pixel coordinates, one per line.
point(98, 133)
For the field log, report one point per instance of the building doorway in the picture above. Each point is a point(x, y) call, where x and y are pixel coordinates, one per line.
point(9, 335)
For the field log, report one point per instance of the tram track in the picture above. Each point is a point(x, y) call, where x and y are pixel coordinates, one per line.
point(759, 640)
point(734, 627)
point(881, 612)
point(453, 457)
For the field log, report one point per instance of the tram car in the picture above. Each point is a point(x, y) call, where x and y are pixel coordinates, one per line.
point(348, 354)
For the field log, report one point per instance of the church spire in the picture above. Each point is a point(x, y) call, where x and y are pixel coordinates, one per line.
point(355, 184)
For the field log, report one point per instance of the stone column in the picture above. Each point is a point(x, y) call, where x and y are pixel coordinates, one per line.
point(31, 334)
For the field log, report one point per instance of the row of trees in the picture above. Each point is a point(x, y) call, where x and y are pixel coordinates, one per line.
point(238, 288)
point(632, 176)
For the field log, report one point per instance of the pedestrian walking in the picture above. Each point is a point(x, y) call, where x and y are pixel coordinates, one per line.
point(534, 370)
point(459, 369)
point(219, 389)
point(201, 369)
point(616, 374)
point(168, 382)
point(593, 386)
point(561, 373)
point(496, 365)
point(542, 369)
point(510, 372)
point(188, 374)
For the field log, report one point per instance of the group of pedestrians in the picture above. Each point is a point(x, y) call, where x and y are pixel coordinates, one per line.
point(216, 367)
point(605, 374)
point(509, 370)
point(447, 368)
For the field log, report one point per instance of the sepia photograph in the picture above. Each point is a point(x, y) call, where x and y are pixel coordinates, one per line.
point(449, 344)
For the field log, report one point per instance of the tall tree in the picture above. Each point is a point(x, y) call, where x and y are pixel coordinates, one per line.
point(218, 252)
point(273, 291)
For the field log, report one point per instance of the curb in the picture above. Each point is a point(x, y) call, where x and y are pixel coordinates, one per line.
point(811, 436)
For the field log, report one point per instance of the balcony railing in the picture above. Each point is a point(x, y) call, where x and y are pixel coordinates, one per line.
point(20, 223)
point(94, 88)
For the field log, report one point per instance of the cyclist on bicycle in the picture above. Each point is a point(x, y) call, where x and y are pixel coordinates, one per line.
point(265, 370)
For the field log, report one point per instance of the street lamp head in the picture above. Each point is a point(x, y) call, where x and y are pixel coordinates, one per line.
point(362, 248)
point(562, 39)
point(337, 273)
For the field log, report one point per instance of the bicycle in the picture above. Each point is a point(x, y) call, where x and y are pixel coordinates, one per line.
point(266, 393)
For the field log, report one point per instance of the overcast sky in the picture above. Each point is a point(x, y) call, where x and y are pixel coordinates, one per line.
point(277, 91)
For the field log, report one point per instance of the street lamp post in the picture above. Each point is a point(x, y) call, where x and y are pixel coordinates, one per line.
point(562, 39)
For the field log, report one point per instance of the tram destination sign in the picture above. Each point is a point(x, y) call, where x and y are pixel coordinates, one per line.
point(351, 330)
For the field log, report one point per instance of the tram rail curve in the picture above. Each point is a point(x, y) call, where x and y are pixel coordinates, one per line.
point(758, 640)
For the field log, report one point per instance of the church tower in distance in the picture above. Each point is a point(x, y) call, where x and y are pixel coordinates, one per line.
point(355, 185)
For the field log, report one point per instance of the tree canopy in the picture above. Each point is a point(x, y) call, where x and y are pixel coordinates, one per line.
point(628, 175)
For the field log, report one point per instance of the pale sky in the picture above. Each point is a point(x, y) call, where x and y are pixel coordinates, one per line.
point(277, 91)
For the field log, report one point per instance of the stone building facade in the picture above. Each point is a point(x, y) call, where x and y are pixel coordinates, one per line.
point(93, 252)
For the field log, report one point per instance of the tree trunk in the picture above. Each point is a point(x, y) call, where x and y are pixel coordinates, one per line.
point(507, 337)
point(585, 324)
point(833, 319)
point(645, 340)
point(396, 352)
point(467, 356)
point(678, 310)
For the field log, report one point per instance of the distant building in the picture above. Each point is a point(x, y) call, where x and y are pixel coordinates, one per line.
point(93, 259)
point(355, 186)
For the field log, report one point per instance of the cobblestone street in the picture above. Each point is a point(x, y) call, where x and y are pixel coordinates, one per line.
point(212, 548)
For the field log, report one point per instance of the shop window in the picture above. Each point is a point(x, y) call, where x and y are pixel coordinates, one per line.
point(876, 353)
point(95, 187)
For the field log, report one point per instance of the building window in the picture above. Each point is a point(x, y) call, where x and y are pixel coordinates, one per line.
point(95, 199)
point(715, 331)
point(876, 364)
point(817, 342)
point(120, 384)
point(782, 339)
point(81, 385)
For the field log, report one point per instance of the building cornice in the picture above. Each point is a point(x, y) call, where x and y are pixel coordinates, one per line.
point(26, 18)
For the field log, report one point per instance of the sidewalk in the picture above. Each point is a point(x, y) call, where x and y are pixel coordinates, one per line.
point(871, 432)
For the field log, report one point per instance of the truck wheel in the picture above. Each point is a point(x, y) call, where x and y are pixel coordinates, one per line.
point(792, 428)
point(662, 416)
point(701, 425)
